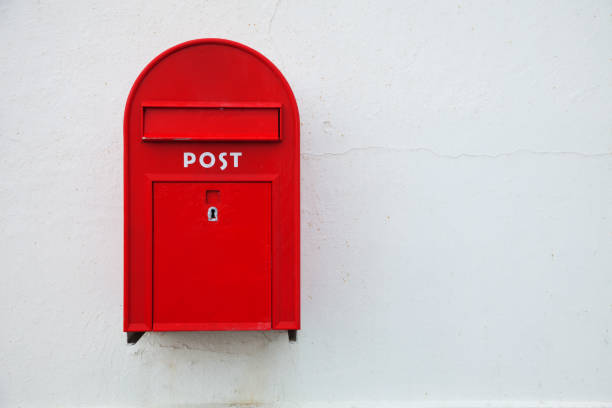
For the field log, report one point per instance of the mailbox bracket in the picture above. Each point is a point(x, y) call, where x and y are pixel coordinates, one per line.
point(133, 337)
point(292, 335)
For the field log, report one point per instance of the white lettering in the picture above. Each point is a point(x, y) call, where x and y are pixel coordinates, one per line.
point(223, 161)
point(203, 163)
point(235, 155)
point(188, 158)
point(208, 159)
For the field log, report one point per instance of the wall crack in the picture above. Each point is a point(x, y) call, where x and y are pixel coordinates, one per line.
point(457, 156)
point(273, 16)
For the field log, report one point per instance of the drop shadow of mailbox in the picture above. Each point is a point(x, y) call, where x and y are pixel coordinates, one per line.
point(211, 161)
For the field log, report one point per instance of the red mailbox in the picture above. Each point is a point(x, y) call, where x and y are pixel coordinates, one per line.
point(212, 197)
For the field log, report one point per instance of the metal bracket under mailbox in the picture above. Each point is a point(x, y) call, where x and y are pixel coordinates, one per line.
point(133, 337)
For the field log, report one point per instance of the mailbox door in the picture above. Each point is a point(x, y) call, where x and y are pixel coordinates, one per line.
point(211, 256)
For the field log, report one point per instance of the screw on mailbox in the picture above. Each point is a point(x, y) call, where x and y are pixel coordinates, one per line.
point(212, 214)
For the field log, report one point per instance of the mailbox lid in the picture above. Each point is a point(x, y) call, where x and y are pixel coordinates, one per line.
point(211, 274)
point(190, 121)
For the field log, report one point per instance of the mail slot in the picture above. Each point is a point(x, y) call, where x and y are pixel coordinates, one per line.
point(211, 193)
point(209, 123)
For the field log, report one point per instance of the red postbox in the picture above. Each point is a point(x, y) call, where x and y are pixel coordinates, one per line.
point(212, 198)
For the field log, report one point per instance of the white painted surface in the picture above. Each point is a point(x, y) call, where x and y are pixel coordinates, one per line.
point(456, 205)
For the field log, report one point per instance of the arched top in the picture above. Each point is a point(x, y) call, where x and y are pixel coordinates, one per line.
point(150, 67)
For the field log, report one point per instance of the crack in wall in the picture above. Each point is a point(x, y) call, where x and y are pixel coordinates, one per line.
point(273, 16)
point(187, 347)
point(454, 156)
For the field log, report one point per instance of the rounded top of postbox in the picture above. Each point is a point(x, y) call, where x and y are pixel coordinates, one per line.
point(211, 72)
point(211, 90)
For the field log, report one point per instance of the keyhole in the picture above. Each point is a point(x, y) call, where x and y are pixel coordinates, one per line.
point(212, 214)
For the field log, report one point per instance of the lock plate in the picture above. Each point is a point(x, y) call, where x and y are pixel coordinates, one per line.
point(213, 214)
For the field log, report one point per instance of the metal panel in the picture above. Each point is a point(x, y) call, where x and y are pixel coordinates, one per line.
point(186, 122)
point(211, 271)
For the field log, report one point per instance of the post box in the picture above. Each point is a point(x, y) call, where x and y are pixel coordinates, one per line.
point(212, 197)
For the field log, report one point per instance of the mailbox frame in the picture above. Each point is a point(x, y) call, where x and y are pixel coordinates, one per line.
point(285, 303)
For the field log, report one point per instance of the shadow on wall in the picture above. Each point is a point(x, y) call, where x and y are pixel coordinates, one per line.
point(200, 365)
point(222, 342)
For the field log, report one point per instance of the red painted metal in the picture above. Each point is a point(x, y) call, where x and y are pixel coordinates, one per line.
point(210, 275)
point(226, 130)
point(198, 123)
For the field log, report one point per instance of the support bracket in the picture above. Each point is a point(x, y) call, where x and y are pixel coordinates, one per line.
point(292, 335)
point(133, 337)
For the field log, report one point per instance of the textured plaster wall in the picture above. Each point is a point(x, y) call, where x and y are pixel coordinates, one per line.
point(456, 205)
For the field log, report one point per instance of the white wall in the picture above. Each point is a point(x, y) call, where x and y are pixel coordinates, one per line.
point(456, 205)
